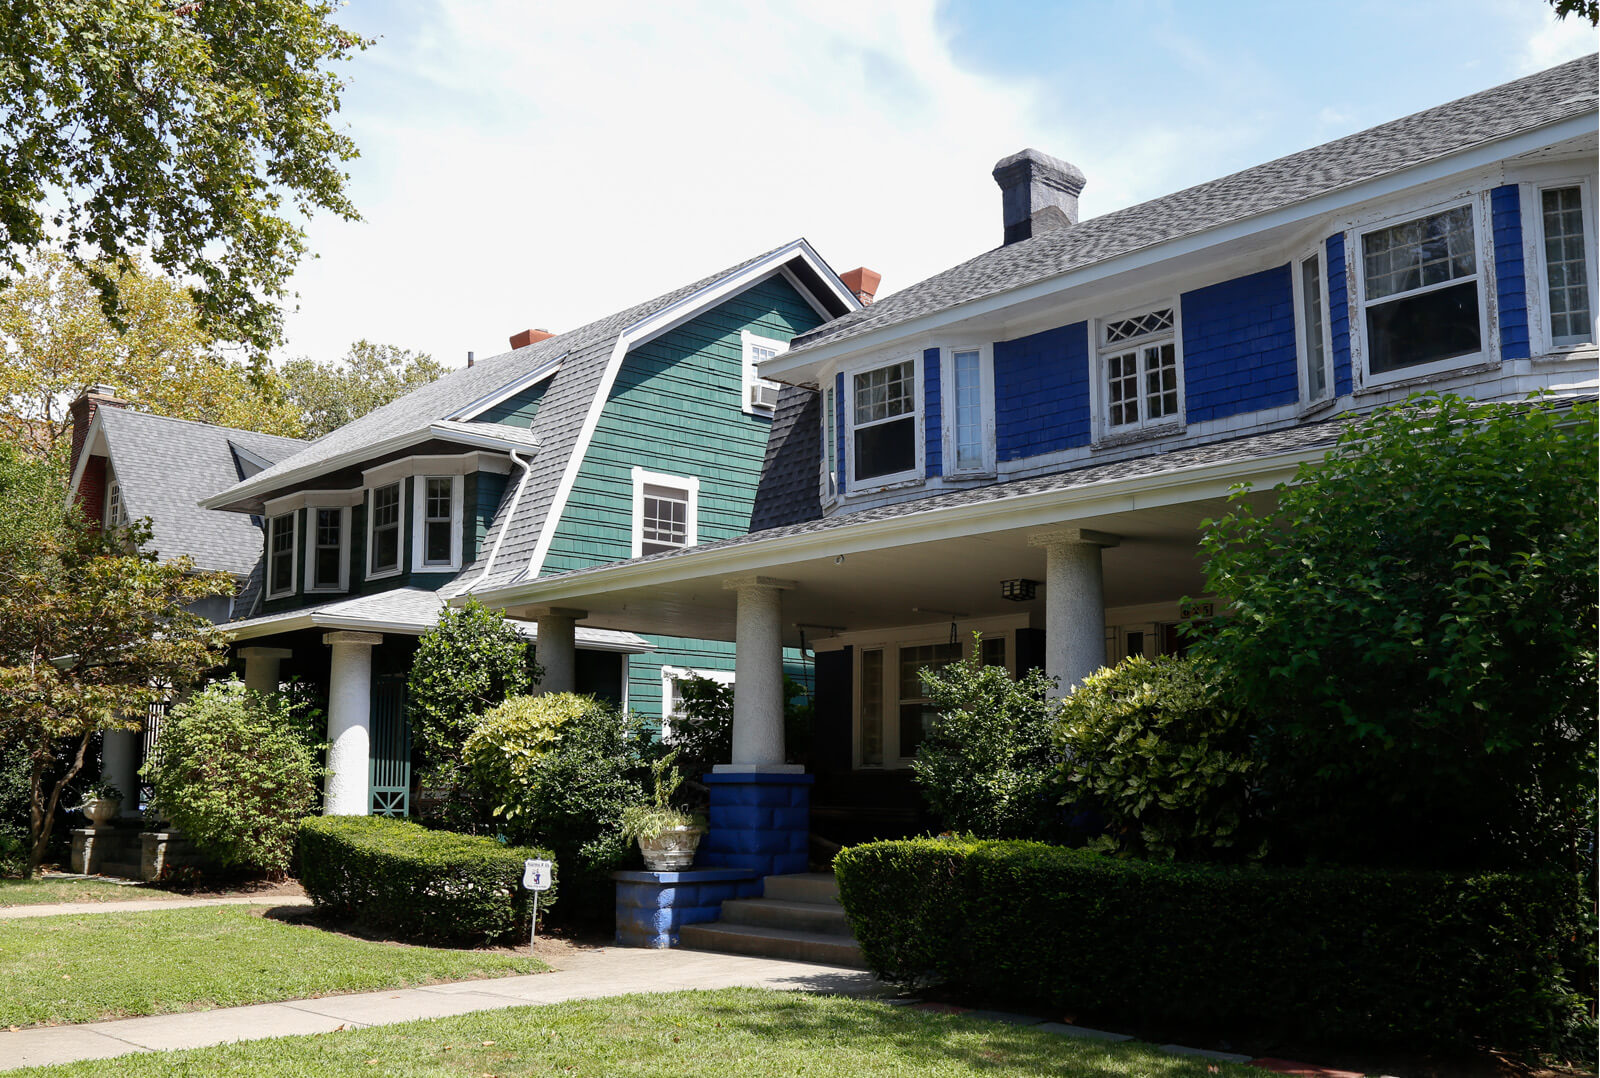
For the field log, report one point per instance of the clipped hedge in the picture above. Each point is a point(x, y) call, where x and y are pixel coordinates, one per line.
point(404, 878)
point(1325, 955)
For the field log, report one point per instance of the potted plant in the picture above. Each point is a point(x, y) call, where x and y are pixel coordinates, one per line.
point(667, 836)
point(101, 800)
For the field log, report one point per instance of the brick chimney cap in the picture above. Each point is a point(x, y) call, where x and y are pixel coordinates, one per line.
point(530, 336)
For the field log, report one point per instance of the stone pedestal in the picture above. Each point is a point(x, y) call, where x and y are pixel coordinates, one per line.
point(760, 822)
point(652, 906)
point(89, 849)
point(163, 849)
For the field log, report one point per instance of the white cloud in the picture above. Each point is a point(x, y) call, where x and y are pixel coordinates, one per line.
point(1551, 41)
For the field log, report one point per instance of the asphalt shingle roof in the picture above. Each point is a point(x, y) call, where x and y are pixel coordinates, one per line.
point(165, 466)
point(1528, 103)
point(788, 491)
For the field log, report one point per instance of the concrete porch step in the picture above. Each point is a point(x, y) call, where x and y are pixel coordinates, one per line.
point(816, 887)
point(822, 947)
point(821, 917)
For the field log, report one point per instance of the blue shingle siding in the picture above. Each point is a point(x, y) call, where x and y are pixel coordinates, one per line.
point(838, 428)
point(932, 415)
point(1511, 284)
point(1339, 314)
point(1041, 392)
point(1238, 346)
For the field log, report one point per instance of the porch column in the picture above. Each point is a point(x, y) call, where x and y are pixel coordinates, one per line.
point(345, 790)
point(758, 678)
point(261, 667)
point(119, 757)
point(557, 648)
point(1075, 608)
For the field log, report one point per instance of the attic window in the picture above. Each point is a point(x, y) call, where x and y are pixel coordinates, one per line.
point(116, 511)
point(665, 512)
point(760, 394)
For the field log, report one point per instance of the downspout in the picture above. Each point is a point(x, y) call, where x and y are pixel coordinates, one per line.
point(511, 514)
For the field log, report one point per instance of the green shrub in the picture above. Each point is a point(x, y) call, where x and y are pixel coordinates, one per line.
point(403, 878)
point(985, 767)
point(471, 661)
point(234, 771)
point(1152, 746)
point(1413, 623)
point(1324, 956)
point(569, 794)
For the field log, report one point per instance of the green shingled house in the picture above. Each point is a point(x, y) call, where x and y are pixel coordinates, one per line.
point(640, 433)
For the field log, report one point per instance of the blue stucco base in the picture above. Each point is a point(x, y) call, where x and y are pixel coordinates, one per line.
point(759, 823)
point(652, 906)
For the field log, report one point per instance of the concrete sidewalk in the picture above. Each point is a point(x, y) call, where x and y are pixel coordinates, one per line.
point(584, 974)
point(140, 905)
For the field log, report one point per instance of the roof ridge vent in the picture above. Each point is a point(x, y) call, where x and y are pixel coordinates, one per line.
point(1037, 193)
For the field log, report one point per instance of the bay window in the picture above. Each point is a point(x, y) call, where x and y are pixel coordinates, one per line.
point(883, 414)
point(383, 531)
point(1568, 273)
point(280, 554)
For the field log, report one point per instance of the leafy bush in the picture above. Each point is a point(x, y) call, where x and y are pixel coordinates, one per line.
point(985, 767)
point(1311, 956)
point(702, 734)
point(1151, 745)
point(407, 879)
point(471, 661)
point(649, 819)
point(1414, 624)
point(234, 772)
point(568, 794)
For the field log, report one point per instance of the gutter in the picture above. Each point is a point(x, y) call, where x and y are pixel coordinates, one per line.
point(511, 515)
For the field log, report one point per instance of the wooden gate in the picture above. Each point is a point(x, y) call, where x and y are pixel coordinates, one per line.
point(390, 776)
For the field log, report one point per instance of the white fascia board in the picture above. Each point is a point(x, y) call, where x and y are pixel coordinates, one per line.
point(1047, 508)
point(799, 362)
point(647, 329)
point(297, 621)
point(545, 370)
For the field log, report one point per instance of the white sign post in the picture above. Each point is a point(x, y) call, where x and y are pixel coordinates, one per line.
point(535, 878)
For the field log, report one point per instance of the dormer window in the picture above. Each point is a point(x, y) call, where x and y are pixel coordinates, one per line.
point(438, 516)
point(760, 394)
point(383, 531)
point(883, 410)
point(116, 512)
point(1141, 375)
point(280, 554)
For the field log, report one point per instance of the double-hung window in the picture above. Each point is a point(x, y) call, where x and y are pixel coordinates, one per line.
point(665, 512)
point(760, 394)
point(383, 531)
point(438, 516)
point(325, 550)
point(884, 424)
point(1422, 294)
point(1568, 277)
point(280, 554)
point(1316, 349)
point(1141, 375)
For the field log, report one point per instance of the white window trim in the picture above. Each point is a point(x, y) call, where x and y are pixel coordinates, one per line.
point(115, 514)
point(322, 499)
point(1355, 267)
point(1536, 273)
point(311, 549)
point(400, 554)
point(891, 647)
point(947, 408)
point(1302, 346)
point(669, 674)
point(828, 480)
point(750, 381)
point(419, 520)
point(687, 483)
point(1100, 389)
point(919, 421)
point(294, 547)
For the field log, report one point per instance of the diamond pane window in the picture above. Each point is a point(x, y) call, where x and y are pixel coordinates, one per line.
point(1139, 361)
point(1138, 326)
point(1566, 266)
point(1421, 282)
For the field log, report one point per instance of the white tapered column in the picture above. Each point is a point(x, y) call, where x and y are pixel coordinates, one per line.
point(346, 788)
point(758, 677)
point(557, 648)
point(261, 667)
point(1074, 603)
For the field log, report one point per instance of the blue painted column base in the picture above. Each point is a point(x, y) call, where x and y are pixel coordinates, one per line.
point(652, 906)
point(758, 822)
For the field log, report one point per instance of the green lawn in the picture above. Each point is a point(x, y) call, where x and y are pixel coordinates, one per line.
point(82, 967)
point(47, 889)
point(745, 1032)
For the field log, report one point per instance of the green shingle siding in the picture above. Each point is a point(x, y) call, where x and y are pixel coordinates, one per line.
point(517, 410)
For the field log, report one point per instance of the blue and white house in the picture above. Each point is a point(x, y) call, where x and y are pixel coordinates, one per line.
point(1025, 444)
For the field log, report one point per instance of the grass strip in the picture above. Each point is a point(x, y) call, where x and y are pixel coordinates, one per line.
point(748, 1032)
point(48, 891)
point(79, 968)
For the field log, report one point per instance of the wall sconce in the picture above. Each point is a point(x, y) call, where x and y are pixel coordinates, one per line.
point(1019, 590)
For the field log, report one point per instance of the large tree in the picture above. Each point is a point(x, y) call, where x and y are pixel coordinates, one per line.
point(94, 632)
point(329, 395)
point(55, 342)
point(196, 131)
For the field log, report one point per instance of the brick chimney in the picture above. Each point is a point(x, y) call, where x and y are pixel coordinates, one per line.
point(863, 282)
point(92, 487)
point(530, 336)
point(1037, 193)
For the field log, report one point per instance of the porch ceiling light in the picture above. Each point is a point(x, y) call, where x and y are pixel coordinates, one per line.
point(1019, 590)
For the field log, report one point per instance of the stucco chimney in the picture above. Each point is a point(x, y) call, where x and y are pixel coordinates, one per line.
point(530, 336)
point(1037, 193)
point(863, 282)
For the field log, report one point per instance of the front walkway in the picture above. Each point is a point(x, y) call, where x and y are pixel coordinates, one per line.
point(584, 974)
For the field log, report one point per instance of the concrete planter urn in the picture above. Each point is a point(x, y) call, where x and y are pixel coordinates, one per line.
point(101, 810)
point(670, 850)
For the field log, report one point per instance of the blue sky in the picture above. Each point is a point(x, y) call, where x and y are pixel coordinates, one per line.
point(540, 165)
